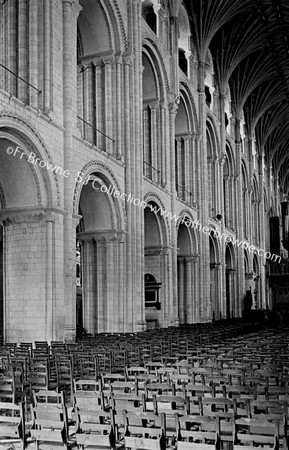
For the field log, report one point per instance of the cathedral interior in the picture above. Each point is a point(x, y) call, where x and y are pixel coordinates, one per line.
point(144, 164)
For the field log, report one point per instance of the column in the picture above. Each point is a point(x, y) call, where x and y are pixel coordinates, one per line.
point(80, 99)
point(174, 310)
point(189, 297)
point(181, 290)
point(98, 101)
point(100, 274)
point(46, 57)
point(12, 46)
point(50, 281)
point(110, 319)
point(121, 284)
point(89, 292)
point(239, 218)
point(153, 142)
point(262, 231)
point(22, 50)
point(33, 53)
point(196, 297)
point(187, 172)
point(108, 103)
point(88, 103)
point(71, 10)
point(119, 114)
point(157, 7)
point(165, 287)
point(163, 149)
point(127, 61)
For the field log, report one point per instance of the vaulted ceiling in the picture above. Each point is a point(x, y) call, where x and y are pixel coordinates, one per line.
point(249, 43)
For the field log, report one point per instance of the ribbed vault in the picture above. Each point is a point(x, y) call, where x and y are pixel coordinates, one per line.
point(249, 44)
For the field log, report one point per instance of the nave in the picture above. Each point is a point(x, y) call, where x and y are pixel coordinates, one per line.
point(201, 386)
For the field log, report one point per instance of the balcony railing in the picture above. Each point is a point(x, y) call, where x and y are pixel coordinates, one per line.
point(151, 172)
point(184, 194)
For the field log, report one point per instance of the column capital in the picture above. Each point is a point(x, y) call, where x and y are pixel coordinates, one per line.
point(108, 60)
point(197, 136)
point(173, 106)
point(14, 216)
point(75, 4)
point(127, 60)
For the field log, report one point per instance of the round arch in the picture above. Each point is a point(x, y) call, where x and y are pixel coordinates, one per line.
point(100, 235)
point(28, 196)
point(100, 28)
point(27, 147)
point(153, 95)
point(94, 170)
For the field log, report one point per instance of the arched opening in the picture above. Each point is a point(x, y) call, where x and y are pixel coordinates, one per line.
point(209, 80)
point(152, 128)
point(208, 96)
point(184, 40)
point(229, 282)
point(152, 292)
point(185, 275)
point(183, 62)
point(155, 265)
point(96, 44)
point(149, 15)
point(26, 253)
point(215, 312)
point(98, 244)
point(183, 154)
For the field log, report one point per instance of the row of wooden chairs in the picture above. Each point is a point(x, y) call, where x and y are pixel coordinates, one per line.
point(97, 428)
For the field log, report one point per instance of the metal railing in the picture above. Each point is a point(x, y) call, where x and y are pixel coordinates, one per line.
point(184, 194)
point(151, 172)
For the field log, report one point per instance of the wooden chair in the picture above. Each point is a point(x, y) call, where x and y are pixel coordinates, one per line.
point(129, 402)
point(12, 424)
point(50, 425)
point(258, 432)
point(95, 428)
point(183, 445)
point(136, 443)
point(196, 432)
point(7, 386)
point(48, 397)
point(144, 424)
